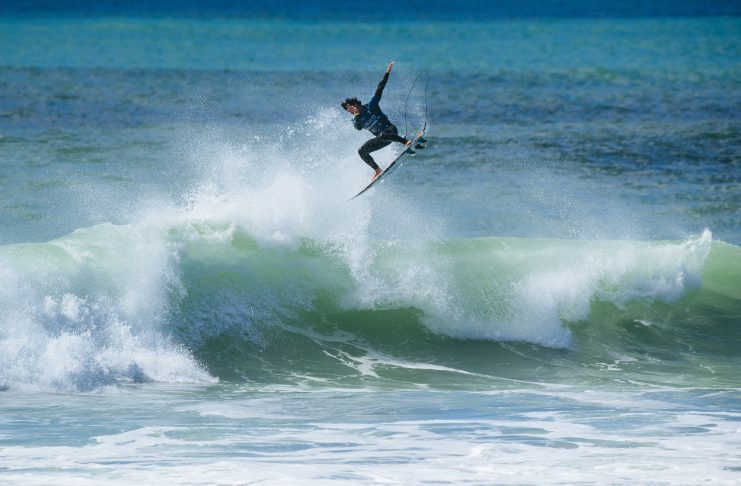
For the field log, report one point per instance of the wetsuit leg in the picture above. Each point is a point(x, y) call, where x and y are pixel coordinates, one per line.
point(392, 138)
point(372, 145)
point(392, 135)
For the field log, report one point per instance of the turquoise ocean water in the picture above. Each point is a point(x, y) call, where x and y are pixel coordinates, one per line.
point(549, 293)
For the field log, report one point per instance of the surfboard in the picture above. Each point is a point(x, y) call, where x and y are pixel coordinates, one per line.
point(394, 163)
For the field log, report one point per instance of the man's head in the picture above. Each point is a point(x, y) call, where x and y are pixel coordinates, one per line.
point(352, 105)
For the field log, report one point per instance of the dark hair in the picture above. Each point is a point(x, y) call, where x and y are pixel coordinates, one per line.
point(350, 101)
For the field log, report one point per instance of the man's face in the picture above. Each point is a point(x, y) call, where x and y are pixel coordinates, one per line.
point(354, 109)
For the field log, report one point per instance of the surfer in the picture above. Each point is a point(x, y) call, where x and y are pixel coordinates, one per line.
point(374, 120)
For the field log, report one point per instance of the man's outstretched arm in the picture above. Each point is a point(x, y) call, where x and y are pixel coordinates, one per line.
point(382, 84)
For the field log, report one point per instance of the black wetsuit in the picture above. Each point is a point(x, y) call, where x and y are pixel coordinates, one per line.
point(373, 119)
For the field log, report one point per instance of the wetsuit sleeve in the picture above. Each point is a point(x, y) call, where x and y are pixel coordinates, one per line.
point(373, 103)
point(381, 85)
point(357, 123)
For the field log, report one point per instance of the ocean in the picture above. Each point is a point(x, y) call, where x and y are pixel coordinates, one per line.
point(549, 293)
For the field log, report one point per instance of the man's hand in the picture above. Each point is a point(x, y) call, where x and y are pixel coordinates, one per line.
point(388, 69)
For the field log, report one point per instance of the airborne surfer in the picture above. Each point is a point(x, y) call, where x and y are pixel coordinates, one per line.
point(374, 120)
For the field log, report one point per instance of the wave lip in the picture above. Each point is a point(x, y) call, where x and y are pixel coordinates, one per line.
point(526, 290)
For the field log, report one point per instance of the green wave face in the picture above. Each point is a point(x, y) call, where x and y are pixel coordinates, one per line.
point(113, 304)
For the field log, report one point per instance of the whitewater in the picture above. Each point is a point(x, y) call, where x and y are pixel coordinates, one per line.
point(257, 259)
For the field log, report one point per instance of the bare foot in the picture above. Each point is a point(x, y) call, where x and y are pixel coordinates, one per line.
point(375, 176)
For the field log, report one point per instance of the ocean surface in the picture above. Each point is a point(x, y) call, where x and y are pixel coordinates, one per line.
point(549, 293)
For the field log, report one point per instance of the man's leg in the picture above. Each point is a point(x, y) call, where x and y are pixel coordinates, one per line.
point(393, 137)
point(391, 134)
point(371, 146)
